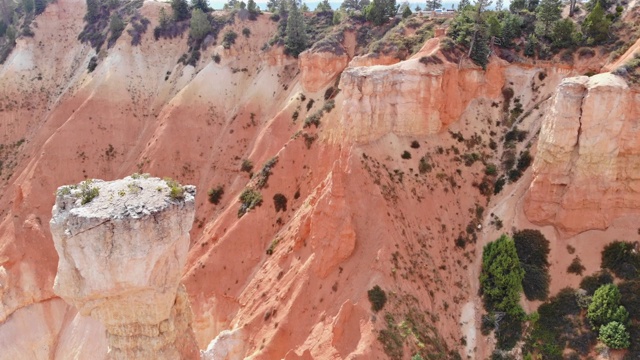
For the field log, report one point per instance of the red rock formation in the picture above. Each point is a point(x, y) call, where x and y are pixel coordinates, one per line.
point(585, 171)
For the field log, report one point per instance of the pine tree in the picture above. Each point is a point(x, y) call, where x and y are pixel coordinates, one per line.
point(200, 25)
point(253, 10)
point(596, 25)
point(463, 4)
point(180, 9)
point(433, 4)
point(548, 12)
point(40, 5)
point(272, 5)
point(28, 6)
point(517, 5)
point(532, 5)
point(200, 4)
point(93, 10)
point(323, 6)
point(296, 38)
point(499, 5)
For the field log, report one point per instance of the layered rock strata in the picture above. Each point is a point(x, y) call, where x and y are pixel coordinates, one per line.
point(587, 168)
point(122, 246)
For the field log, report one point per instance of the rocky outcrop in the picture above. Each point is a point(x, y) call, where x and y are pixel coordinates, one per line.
point(122, 247)
point(319, 69)
point(587, 168)
point(411, 98)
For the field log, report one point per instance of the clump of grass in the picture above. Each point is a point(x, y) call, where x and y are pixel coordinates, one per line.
point(88, 192)
point(176, 191)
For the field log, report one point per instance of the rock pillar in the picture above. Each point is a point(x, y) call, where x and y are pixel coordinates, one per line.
point(122, 246)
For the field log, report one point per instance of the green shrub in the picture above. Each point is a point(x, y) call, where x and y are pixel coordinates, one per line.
point(88, 192)
point(229, 39)
point(591, 283)
point(605, 307)
point(415, 144)
point(176, 191)
point(576, 267)
point(615, 335)
point(93, 63)
point(424, 166)
point(246, 32)
point(377, 297)
point(406, 155)
point(246, 166)
point(621, 259)
point(215, 194)
point(249, 199)
point(280, 202)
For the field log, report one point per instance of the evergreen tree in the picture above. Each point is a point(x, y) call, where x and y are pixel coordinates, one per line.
point(304, 8)
point(532, 5)
point(200, 4)
point(40, 5)
point(164, 19)
point(605, 307)
point(200, 25)
point(272, 5)
point(406, 12)
point(501, 276)
point(28, 6)
point(433, 4)
point(517, 5)
point(180, 9)
point(596, 25)
point(615, 335)
point(282, 7)
point(547, 13)
point(511, 29)
point(354, 4)
point(253, 10)
point(563, 33)
point(116, 26)
point(296, 38)
point(379, 11)
point(93, 10)
point(463, 4)
point(499, 5)
point(418, 8)
point(323, 6)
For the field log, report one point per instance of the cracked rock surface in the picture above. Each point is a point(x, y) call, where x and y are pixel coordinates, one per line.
point(122, 246)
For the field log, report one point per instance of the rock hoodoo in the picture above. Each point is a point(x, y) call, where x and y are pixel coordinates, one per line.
point(122, 246)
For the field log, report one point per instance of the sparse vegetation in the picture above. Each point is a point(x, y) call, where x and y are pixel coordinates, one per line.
point(215, 194)
point(88, 192)
point(249, 199)
point(176, 191)
point(246, 166)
